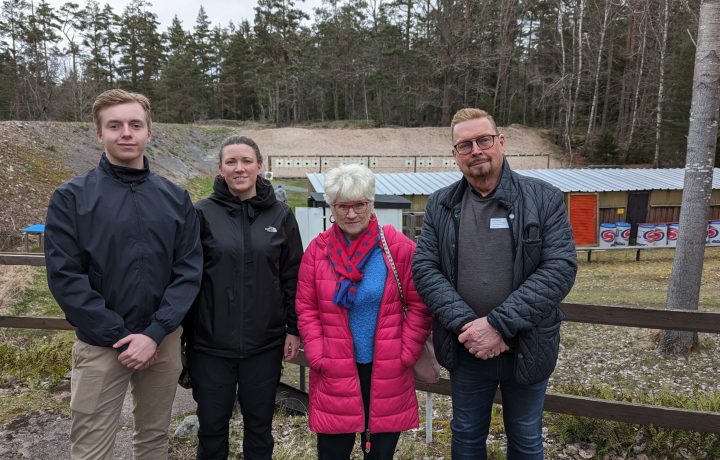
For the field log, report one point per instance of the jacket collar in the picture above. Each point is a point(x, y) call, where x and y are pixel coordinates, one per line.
point(124, 174)
point(503, 192)
point(264, 198)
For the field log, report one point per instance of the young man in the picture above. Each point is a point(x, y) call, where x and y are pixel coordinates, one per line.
point(124, 263)
point(495, 258)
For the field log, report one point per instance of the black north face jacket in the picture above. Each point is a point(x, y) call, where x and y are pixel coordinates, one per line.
point(544, 269)
point(252, 252)
point(123, 254)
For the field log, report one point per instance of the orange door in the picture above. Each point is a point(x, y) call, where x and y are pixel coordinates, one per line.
point(583, 209)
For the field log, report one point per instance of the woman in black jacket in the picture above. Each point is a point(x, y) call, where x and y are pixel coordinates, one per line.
point(243, 322)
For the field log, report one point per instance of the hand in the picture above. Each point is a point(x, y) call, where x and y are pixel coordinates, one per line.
point(292, 347)
point(141, 352)
point(481, 339)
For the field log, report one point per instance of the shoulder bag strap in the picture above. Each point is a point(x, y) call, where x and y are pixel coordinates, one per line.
point(394, 270)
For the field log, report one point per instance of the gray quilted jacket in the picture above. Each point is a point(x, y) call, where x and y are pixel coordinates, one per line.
point(545, 264)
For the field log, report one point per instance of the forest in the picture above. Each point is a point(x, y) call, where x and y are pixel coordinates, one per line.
point(610, 80)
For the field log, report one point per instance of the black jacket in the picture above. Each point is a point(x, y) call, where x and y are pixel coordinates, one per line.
point(544, 268)
point(123, 253)
point(252, 252)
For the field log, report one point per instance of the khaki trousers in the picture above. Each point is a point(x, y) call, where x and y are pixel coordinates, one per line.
point(98, 386)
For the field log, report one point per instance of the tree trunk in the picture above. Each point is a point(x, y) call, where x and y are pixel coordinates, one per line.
point(596, 91)
point(636, 98)
point(684, 288)
point(608, 84)
point(277, 102)
point(528, 63)
point(336, 101)
point(579, 69)
point(565, 89)
point(365, 101)
point(661, 86)
point(507, 38)
point(445, 105)
point(408, 24)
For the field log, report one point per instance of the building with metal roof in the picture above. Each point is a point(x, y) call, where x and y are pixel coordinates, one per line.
point(593, 196)
point(567, 180)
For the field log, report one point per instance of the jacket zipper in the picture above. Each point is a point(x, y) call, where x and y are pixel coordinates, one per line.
point(140, 232)
point(368, 444)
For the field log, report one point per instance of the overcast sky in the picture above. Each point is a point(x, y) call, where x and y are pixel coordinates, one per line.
point(219, 11)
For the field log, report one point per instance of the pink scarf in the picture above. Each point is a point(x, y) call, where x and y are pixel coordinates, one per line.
point(348, 259)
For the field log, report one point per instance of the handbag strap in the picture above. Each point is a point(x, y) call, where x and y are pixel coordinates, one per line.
point(394, 270)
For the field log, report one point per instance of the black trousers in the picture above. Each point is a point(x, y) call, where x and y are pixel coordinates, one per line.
point(217, 382)
point(340, 446)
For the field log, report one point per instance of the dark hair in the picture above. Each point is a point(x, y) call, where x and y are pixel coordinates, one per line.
point(237, 139)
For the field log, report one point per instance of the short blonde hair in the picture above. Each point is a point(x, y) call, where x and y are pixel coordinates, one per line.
point(470, 114)
point(349, 182)
point(113, 97)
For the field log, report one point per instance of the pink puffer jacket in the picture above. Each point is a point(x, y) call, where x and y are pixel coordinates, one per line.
point(335, 400)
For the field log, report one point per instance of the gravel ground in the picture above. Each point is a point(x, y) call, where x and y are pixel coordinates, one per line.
point(46, 435)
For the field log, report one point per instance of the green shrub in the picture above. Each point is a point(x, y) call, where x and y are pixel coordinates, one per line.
point(39, 361)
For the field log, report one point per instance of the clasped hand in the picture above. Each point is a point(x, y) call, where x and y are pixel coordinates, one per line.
point(481, 339)
point(141, 352)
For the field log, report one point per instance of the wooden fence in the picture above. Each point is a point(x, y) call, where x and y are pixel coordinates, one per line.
point(644, 414)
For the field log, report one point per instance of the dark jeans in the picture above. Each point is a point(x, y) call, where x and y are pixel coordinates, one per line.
point(217, 382)
point(474, 383)
point(340, 446)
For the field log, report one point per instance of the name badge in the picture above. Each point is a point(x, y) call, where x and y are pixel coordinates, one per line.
point(499, 222)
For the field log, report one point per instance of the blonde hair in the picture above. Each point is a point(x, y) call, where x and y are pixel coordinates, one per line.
point(350, 182)
point(114, 97)
point(470, 114)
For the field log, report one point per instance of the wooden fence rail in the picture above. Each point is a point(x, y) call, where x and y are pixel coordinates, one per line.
point(644, 414)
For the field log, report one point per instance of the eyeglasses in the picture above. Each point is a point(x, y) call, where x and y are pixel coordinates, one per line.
point(483, 143)
point(359, 207)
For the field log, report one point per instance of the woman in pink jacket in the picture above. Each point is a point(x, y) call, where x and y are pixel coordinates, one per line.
point(360, 344)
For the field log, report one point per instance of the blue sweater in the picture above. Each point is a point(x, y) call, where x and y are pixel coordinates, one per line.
point(364, 313)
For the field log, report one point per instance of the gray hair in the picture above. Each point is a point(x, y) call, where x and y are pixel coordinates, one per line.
point(349, 182)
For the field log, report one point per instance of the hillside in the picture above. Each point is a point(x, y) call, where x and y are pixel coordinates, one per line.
point(35, 157)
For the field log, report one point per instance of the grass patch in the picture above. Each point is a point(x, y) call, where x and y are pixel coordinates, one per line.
point(36, 362)
point(610, 436)
point(36, 300)
point(615, 278)
point(199, 188)
point(22, 404)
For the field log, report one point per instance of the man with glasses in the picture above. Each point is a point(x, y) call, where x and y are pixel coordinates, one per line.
point(494, 260)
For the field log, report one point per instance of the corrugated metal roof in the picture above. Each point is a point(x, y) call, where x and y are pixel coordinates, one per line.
point(567, 180)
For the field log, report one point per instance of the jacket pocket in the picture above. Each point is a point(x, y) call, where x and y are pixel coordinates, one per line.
point(537, 354)
point(532, 247)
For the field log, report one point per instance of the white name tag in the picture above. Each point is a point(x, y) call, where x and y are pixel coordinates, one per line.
point(499, 222)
